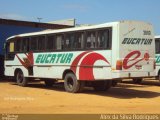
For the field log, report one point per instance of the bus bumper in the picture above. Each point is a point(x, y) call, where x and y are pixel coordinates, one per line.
point(133, 74)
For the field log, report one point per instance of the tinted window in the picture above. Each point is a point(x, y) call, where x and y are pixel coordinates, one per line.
point(25, 44)
point(80, 40)
point(91, 40)
point(157, 42)
point(41, 43)
point(77, 40)
point(10, 49)
point(50, 42)
point(60, 42)
point(18, 44)
point(33, 43)
point(70, 41)
point(103, 40)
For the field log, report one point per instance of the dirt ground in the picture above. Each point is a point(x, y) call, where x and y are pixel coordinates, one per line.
point(37, 99)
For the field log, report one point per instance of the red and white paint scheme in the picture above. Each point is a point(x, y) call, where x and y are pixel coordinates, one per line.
point(105, 52)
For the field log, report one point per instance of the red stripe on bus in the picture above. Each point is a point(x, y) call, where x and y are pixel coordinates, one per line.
point(76, 61)
point(86, 73)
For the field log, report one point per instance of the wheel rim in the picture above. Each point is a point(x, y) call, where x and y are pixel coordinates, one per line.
point(20, 77)
point(70, 83)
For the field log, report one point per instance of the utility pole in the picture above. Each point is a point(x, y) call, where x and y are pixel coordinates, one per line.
point(39, 19)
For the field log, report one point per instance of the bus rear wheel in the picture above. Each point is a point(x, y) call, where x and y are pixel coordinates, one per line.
point(20, 79)
point(71, 84)
point(137, 80)
point(102, 85)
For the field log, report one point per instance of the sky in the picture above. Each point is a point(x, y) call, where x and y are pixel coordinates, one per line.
point(84, 11)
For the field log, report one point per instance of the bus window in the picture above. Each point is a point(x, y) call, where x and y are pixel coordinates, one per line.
point(50, 42)
point(18, 44)
point(157, 42)
point(10, 50)
point(11, 47)
point(33, 44)
point(103, 39)
point(69, 41)
point(79, 42)
point(91, 40)
point(6, 50)
point(60, 42)
point(25, 44)
point(6, 47)
point(41, 43)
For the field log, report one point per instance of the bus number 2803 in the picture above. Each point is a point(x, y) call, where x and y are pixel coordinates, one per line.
point(146, 32)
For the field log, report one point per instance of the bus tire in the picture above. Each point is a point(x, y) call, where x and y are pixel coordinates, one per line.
point(49, 82)
point(71, 84)
point(102, 85)
point(137, 80)
point(20, 79)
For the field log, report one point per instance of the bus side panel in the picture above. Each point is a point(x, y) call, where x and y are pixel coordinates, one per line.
point(53, 71)
point(157, 64)
point(9, 71)
point(87, 65)
point(12, 66)
point(95, 65)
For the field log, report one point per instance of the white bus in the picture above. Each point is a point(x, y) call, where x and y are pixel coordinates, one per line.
point(88, 55)
point(157, 46)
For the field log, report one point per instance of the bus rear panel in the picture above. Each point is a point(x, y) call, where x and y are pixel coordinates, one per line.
point(136, 50)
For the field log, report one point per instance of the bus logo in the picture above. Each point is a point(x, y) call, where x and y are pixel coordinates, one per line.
point(136, 59)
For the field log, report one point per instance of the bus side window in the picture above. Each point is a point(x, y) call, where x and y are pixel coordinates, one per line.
point(91, 40)
point(10, 50)
point(25, 45)
point(69, 41)
point(50, 42)
point(11, 47)
point(18, 45)
point(103, 39)
point(157, 42)
point(33, 44)
point(79, 41)
point(41, 43)
point(60, 42)
point(7, 50)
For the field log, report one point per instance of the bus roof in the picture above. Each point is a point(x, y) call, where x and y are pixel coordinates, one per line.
point(110, 24)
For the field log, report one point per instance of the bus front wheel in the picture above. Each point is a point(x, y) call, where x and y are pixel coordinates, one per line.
point(20, 79)
point(71, 84)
